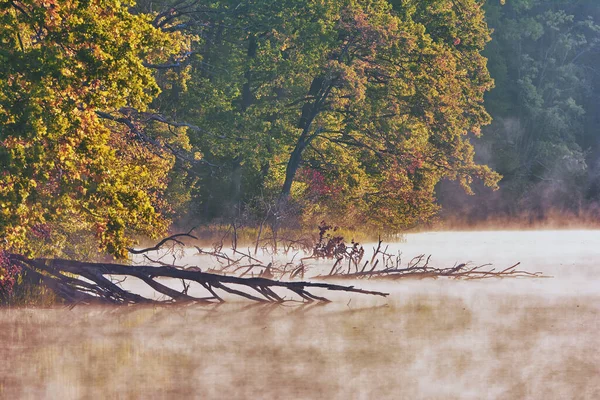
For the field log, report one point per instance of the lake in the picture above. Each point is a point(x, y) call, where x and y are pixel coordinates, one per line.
point(430, 339)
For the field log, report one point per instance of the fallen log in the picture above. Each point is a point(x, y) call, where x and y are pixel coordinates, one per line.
point(88, 282)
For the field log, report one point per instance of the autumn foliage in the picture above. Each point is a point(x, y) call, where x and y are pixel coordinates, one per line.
point(67, 175)
point(8, 275)
point(117, 117)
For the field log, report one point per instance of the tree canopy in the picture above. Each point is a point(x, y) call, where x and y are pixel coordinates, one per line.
point(115, 117)
point(345, 107)
point(543, 57)
point(66, 172)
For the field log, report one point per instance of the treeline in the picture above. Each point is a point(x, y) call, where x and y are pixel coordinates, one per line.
point(118, 119)
point(350, 111)
point(544, 137)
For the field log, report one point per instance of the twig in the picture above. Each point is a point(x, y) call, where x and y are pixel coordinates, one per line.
point(165, 240)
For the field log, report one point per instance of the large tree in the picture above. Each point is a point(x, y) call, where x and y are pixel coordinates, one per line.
point(72, 169)
point(357, 106)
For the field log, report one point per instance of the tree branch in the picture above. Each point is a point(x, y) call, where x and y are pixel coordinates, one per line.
point(57, 275)
point(162, 242)
point(145, 138)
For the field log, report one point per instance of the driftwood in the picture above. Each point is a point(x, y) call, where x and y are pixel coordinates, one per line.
point(460, 271)
point(388, 266)
point(87, 282)
point(348, 263)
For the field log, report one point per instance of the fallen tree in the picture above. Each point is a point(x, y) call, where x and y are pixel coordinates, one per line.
point(87, 282)
point(237, 273)
point(422, 270)
point(382, 265)
point(347, 262)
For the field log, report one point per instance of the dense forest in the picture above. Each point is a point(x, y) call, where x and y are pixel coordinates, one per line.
point(544, 137)
point(119, 120)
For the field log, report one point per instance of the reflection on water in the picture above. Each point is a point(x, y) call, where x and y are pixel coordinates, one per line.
point(509, 339)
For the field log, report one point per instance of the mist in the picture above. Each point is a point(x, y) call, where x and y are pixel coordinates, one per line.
point(431, 339)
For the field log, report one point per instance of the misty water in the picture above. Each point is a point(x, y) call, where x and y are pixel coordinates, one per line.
point(430, 339)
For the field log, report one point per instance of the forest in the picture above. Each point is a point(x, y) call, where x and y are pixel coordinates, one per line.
point(299, 199)
point(123, 121)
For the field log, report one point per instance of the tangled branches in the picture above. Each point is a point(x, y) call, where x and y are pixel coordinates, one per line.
point(86, 282)
point(417, 268)
point(348, 263)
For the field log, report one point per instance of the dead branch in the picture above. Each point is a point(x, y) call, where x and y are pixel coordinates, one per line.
point(159, 245)
point(418, 268)
point(87, 282)
point(381, 265)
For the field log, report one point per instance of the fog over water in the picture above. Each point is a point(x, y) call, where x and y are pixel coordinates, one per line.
point(430, 339)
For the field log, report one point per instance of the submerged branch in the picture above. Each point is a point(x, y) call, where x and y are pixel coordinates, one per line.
point(87, 282)
point(419, 268)
point(349, 262)
point(383, 265)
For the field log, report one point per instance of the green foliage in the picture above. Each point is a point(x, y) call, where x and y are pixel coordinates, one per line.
point(116, 117)
point(68, 178)
point(372, 102)
point(544, 58)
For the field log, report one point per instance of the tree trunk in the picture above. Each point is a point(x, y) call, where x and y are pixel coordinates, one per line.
point(86, 283)
point(320, 88)
point(236, 186)
point(292, 167)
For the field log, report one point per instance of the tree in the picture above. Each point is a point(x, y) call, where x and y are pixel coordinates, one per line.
point(357, 106)
point(543, 58)
point(73, 172)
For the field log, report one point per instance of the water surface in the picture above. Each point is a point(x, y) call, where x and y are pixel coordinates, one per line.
point(431, 339)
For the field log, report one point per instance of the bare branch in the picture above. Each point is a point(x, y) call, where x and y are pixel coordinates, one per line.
point(162, 242)
point(57, 275)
